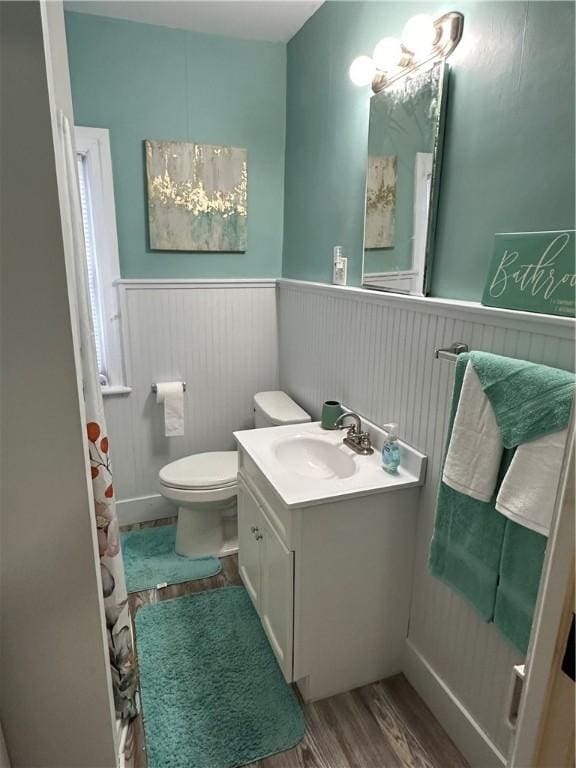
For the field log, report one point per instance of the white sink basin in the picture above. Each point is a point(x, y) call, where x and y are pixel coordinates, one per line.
point(314, 457)
point(308, 465)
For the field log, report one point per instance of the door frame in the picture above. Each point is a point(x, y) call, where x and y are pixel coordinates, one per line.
point(555, 583)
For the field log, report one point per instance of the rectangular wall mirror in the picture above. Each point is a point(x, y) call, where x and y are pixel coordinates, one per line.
point(403, 170)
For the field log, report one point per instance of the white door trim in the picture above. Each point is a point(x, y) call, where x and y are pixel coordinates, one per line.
point(555, 582)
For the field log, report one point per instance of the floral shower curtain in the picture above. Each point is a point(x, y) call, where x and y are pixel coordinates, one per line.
point(122, 662)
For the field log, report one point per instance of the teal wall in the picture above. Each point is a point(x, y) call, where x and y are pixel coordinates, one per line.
point(509, 151)
point(149, 82)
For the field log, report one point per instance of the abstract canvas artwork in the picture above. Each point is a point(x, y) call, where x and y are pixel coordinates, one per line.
point(197, 196)
point(381, 201)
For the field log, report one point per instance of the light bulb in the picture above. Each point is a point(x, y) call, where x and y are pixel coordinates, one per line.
point(387, 54)
point(362, 70)
point(419, 34)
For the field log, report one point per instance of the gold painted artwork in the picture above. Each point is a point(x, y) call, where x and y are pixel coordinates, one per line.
point(197, 196)
point(381, 201)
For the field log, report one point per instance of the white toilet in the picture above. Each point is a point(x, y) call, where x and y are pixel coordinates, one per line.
point(204, 485)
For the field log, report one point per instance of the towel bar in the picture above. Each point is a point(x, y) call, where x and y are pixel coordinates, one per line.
point(155, 387)
point(451, 353)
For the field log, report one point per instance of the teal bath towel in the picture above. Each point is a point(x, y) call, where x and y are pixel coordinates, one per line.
point(466, 548)
point(494, 563)
point(528, 400)
point(520, 568)
point(468, 536)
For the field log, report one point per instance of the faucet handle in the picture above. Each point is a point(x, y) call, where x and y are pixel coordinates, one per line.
point(364, 440)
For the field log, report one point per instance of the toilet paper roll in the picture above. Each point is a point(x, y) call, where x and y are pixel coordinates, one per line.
point(171, 393)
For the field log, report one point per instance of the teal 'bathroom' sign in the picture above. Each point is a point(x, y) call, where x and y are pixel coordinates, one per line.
point(534, 272)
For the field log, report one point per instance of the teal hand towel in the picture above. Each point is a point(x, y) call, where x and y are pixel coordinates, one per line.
point(528, 400)
point(468, 535)
point(520, 568)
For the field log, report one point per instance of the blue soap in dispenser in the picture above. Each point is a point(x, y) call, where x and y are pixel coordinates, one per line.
point(391, 449)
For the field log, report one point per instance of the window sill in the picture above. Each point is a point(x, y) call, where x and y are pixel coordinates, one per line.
point(108, 391)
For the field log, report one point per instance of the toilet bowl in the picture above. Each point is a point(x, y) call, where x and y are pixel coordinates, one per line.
point(204, 485)
point(204, 488)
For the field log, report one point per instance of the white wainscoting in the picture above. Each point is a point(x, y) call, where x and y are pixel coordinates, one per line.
point(218, 336)
point(374, 352)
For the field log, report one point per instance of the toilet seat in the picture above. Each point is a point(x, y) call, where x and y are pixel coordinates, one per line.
point(201, 477)
point(201, 471)
point(182, 495)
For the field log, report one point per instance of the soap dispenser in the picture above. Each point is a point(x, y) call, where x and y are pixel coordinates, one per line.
point(391, 449)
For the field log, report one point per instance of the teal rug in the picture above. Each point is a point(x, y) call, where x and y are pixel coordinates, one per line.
point(213, 695)
point(150, 559)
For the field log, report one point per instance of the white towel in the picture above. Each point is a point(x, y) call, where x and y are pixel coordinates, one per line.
point(528, 491)
point(475, 450)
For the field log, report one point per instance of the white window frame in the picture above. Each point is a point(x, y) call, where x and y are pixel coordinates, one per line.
point(94, 145)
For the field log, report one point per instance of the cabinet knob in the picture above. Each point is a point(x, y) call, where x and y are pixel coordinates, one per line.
point(254, 529)
point(259, 536)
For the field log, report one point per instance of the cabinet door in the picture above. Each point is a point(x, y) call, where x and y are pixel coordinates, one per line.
point(249, 517)
point(277, 596)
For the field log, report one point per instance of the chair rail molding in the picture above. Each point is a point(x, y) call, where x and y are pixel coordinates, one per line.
point(564, 327)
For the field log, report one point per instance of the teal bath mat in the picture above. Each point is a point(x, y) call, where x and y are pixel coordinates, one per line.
point(150, 559)
point(213, 695)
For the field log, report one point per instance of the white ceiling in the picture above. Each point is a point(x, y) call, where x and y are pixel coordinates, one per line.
point(274, 20)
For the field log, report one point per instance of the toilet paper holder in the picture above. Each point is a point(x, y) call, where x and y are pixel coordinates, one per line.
point(155, 387)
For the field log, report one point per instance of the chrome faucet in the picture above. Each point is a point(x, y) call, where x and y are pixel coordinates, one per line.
point(355, 438)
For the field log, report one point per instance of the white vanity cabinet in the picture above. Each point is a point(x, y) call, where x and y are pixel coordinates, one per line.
point(267, 570)
point(249, 549)
point(330, 579)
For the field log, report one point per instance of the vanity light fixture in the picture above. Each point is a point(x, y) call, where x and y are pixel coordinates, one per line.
point(389, 54)
point(419, 34)
point(424, 40)
point(362, 70)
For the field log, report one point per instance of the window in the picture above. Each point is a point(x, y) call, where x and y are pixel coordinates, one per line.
point(93, 277)
point(99, 219)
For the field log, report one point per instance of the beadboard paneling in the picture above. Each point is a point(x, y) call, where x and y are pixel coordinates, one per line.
point(220, 337)
point(375, 353)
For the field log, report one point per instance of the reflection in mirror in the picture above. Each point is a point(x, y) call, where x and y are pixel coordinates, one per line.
point(404, 152)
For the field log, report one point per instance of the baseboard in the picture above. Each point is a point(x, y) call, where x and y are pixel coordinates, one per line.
point(144, 508)
point(456, 720)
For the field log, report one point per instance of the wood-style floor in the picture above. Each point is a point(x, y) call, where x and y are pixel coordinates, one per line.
point(384, 725)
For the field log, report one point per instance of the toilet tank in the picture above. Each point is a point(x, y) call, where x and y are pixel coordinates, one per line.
point(272, 409)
